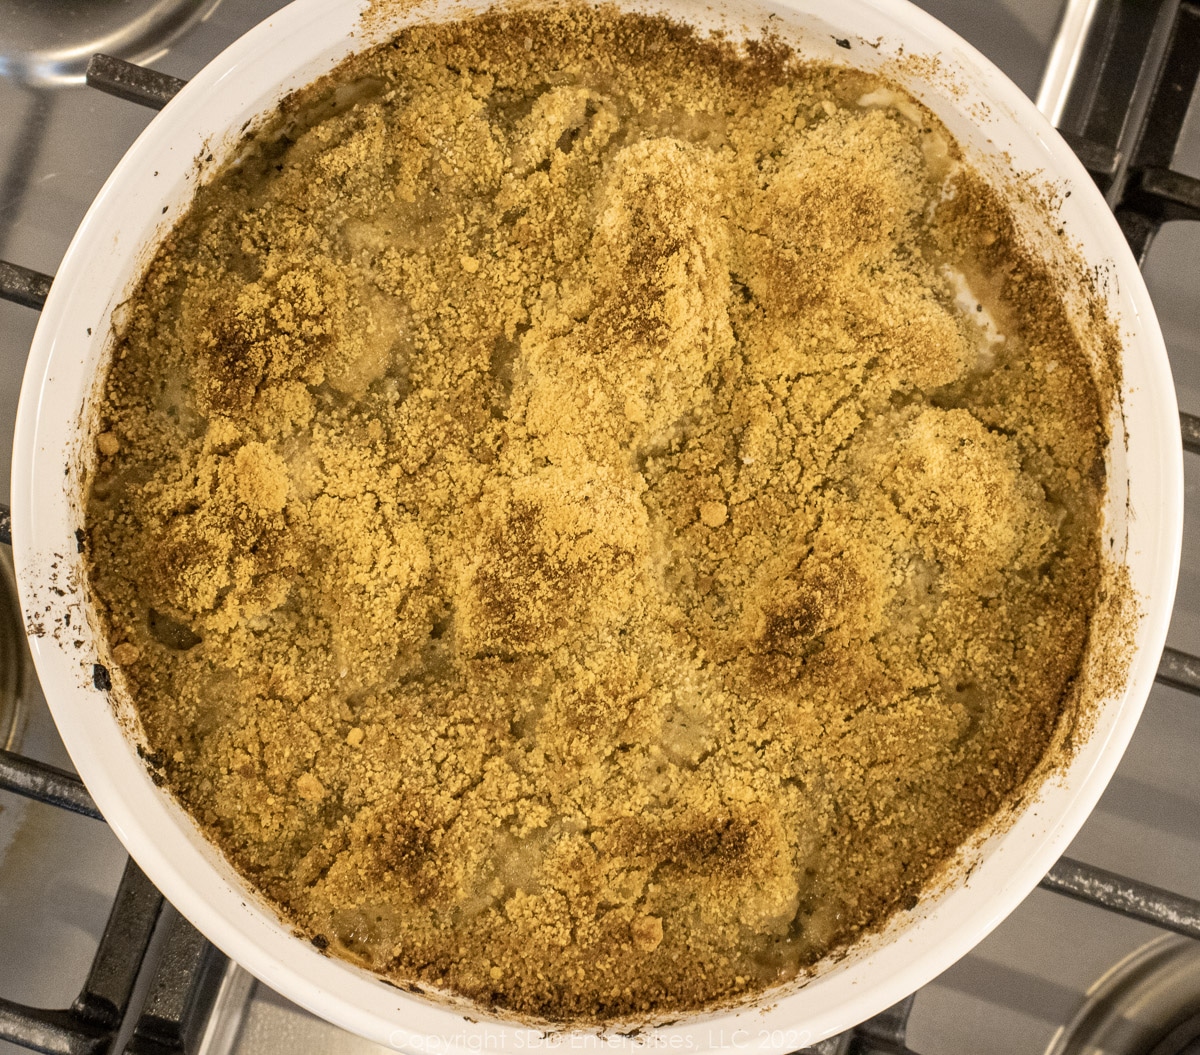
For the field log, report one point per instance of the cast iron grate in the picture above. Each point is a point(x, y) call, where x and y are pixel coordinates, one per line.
point(1123, 112)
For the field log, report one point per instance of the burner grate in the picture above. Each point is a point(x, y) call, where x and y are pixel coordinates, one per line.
point(1123, 118)
point(37, 780)
point(183, 977)
point(90, 1024)
point(1135, 70)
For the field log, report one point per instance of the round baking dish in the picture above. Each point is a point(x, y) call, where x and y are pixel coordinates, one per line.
point(999, 129)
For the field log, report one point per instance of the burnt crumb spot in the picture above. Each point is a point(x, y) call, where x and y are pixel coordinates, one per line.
point(408, 853)
point(320, 941)
point(101, 679)
point(151, 758)
point(80, 537)
point(911, 902)
point(842, 43)
point(171, 632)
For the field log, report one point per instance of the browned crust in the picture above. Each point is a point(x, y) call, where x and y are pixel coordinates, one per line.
point(620, 645)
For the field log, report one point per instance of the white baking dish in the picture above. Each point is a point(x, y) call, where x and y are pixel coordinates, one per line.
point(998, 127)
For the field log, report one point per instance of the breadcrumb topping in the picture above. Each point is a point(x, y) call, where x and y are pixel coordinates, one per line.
point(564, 537)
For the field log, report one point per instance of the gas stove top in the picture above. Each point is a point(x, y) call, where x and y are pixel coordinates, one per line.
point(82, 930)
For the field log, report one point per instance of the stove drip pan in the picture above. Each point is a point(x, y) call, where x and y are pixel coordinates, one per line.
point(50, 43)
point(1148, 1004)
point(1184, 1039)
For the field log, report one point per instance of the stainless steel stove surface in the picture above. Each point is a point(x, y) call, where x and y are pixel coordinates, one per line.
point(59, 871)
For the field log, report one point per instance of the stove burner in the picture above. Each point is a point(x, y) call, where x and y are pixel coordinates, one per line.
point(50, 44)
point(1146, 1005)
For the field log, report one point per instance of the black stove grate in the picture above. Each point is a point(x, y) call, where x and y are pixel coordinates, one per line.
point(88, 1026)
point(1124, 116)
point(179, 977)
point(1125, 110)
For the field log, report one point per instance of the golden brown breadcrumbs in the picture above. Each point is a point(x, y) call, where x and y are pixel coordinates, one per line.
point(591, 517)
